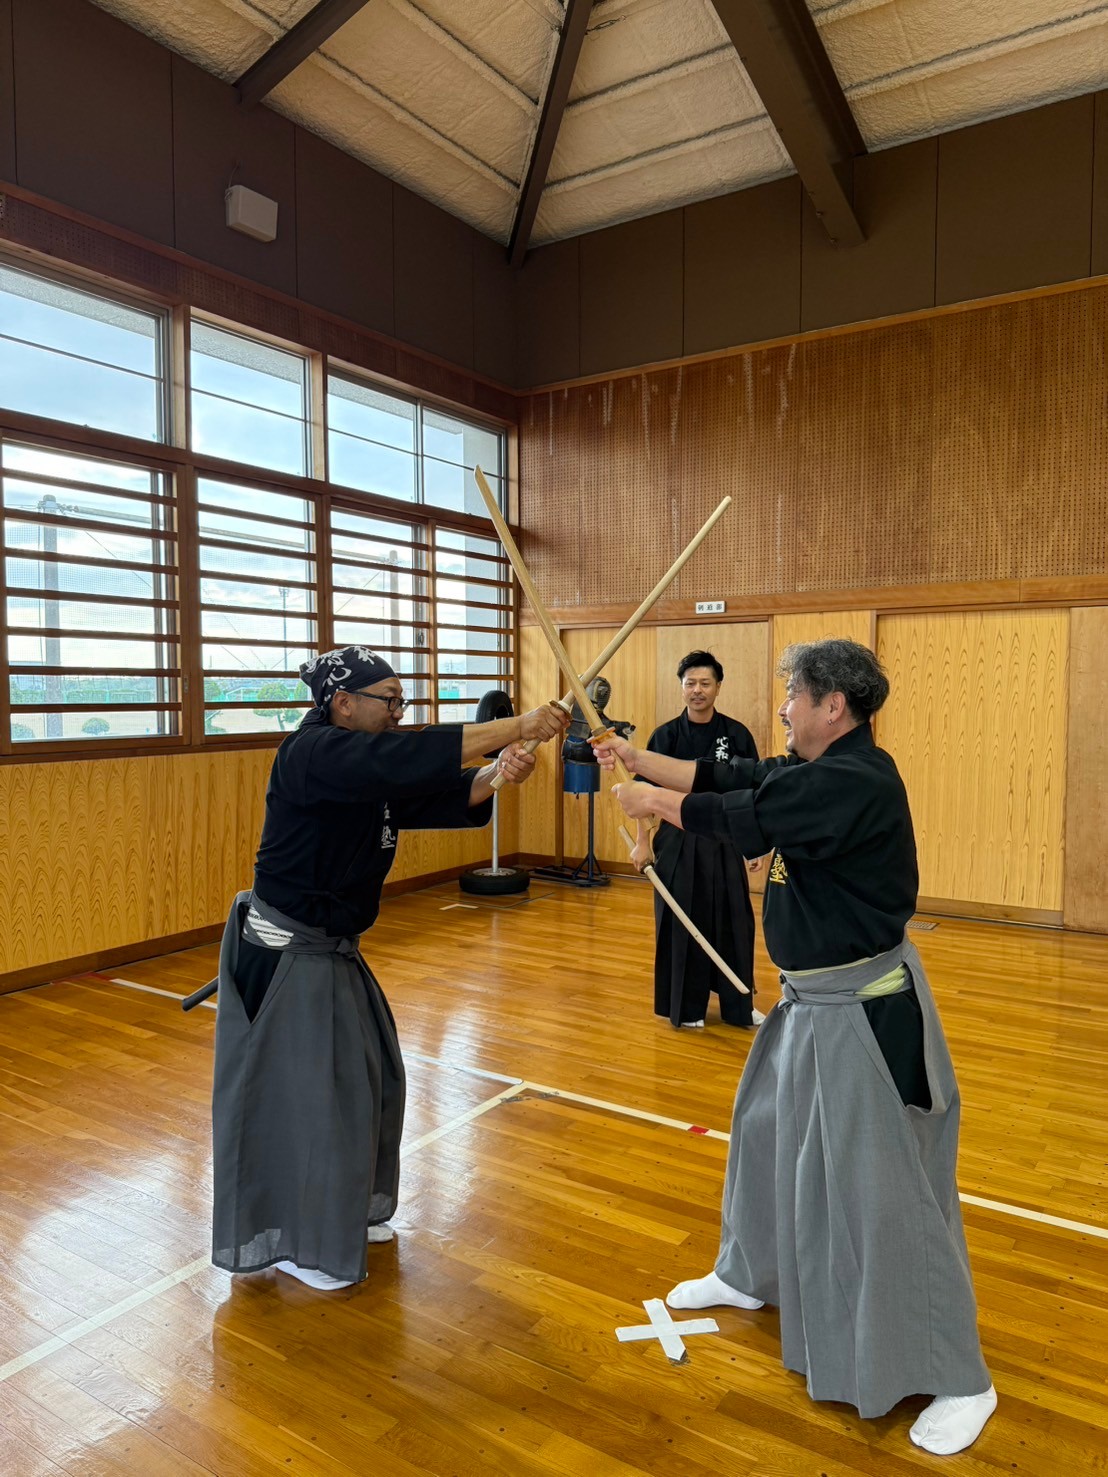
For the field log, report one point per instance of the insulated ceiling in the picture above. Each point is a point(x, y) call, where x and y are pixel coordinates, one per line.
point(445, 95)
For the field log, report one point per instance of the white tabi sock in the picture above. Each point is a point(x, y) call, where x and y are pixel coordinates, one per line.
point(311, 1278)
point(709, 1292)
point(379, 1233)
point(757, 1018)
point(690, 1025)
point(953, 1422)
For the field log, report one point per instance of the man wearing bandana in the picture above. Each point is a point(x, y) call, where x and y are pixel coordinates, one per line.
point(308, 1099)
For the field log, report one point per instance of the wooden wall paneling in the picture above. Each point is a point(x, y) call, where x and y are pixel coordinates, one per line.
point(1015, 202)
point(494, 332)
point(742, 267)
point(633, 675)
point(893, 270)
point(218, 142)
point(344, 246)
point(1020, 440)
point(433, 276)
point(742, 648)
point(104, 853)
point(585, 455)
point(788, 630)
point(7, 94)
point(1099, 264)
point(976, 721)
point(631, 293)
point(735, 430)
point(540, 798)
point(93, 115)
point(863, 513)
point(547, 314)
point(1085, 902)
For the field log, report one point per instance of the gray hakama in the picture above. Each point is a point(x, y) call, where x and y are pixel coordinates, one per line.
point(307, 1106)
point(840, 1204)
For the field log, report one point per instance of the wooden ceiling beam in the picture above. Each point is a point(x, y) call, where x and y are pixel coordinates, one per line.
point(574, 26)
point(294, 47)
point(780, 47)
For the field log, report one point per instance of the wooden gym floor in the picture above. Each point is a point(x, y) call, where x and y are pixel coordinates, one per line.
point(541, 1203)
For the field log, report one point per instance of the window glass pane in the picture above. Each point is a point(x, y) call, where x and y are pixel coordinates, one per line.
point(385, 581)
point(283, 628)
point(252, 651)
point(74, 356)
point(88, 652)
point(252, 561)
point(470, 615)
point(27, 727)
point(452, 440)
point(96, 507)
point(86, 579)
point(249, 400)
point(40, 462)
point(46, 612)
point(259, 597)
point(452, 711)
point(68, 646)
point(254, 661)
point(256, 502)
point(455, 664)
point(86, 543)
point(454, 488)
point(35, 688)
point(239, 368)
point(472, 641)
point(258, 705)
point(371, 468)
point(239, 433)
point(370, 414)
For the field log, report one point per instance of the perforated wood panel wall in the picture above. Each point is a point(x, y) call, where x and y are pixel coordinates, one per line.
point(967, 447)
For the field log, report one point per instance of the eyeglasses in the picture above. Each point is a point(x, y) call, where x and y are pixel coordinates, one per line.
point(394, 704)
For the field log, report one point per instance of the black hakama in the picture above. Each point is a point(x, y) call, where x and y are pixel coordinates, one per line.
point(708, 878)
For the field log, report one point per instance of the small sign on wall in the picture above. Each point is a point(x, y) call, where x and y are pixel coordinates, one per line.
point(711, 607)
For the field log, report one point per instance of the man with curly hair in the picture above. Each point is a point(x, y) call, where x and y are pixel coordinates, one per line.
point(840, 1203)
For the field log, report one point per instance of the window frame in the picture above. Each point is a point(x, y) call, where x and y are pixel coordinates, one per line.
point(183, 468)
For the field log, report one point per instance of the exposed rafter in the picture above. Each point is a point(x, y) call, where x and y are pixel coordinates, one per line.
point(295, 46)
point(574, 26)
point(780, 47)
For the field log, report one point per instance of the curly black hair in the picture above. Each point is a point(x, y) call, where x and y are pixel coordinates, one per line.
point(821, 667)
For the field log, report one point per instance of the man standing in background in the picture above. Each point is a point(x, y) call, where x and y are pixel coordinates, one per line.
point(706, 874)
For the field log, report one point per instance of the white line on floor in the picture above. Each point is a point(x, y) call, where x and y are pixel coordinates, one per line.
point(1019, 1212)
point(153, 990)
point(98, 1320)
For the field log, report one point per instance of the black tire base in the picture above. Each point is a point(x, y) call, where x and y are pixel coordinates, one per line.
point(484, 882)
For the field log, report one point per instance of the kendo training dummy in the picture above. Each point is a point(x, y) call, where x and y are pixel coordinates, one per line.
point(706, 874)
point(576, 748)
point(840, 1203)
point(308, 1101)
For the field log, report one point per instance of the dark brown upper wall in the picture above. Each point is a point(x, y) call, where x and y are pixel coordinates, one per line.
point(216, 143)
point(1015, 202)
point(344, 247)
point(994, 209)
point(742, 267)
point(93, 115)
point(109, 123)
point(7, 94)
point(631, 292)
point(893, 270)
point(1100, 186)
